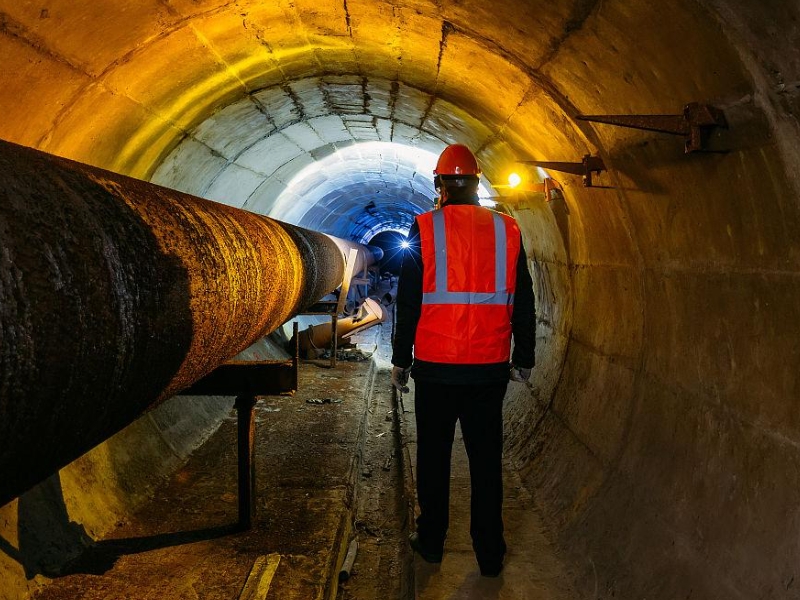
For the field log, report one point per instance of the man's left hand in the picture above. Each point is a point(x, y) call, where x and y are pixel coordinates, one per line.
point(520, 374)
point(400, 378)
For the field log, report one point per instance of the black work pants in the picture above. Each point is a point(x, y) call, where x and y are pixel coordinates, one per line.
point(480, 410)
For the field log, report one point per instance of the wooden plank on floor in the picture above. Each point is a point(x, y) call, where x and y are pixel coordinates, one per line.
point(258, 581)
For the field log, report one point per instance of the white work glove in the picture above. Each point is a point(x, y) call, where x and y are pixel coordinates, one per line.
point(400, 378)
point(520, 374)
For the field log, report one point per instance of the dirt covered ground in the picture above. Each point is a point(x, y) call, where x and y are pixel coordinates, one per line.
point(311, 451)
point(333, 463)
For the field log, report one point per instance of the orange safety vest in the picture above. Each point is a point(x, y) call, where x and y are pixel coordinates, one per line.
point(469, 263)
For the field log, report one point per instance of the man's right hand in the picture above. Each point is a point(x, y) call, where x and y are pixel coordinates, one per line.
point(400, 378)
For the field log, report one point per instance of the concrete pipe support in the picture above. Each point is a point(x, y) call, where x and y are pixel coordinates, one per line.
point(115, 294)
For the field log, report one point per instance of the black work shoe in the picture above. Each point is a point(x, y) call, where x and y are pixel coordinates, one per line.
point(491, 566)
point(427, 555)
point(491, 569)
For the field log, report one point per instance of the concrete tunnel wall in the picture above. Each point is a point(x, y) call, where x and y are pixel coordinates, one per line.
point(660, 434)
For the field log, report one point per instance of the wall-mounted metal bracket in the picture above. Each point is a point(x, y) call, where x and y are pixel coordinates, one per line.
point(694, 124)
point(547, 187)
point(517, 194)
point(585, 168)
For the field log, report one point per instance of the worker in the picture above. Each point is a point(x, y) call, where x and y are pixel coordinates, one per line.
point(464, 290)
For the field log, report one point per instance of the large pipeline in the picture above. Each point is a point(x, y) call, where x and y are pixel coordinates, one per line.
point(318, 337)
point(115, 294)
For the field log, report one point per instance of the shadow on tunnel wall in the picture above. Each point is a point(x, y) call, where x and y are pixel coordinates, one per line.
point(561, 213)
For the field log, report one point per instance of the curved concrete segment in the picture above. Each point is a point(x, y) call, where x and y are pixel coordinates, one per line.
point(661, 432)
point(116, 294)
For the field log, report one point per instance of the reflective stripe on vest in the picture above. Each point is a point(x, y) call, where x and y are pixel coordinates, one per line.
point(441, 295)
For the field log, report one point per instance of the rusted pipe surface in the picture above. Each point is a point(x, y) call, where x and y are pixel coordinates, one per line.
point(115, 294)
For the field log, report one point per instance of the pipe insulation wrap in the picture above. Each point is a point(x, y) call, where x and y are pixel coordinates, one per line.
point(115, 294)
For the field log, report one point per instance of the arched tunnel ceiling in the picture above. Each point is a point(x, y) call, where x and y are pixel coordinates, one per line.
point(502, 78)
point(285, 149)
point(165, 67)
point(312, 151)
point(279, 131)
point(217, 79)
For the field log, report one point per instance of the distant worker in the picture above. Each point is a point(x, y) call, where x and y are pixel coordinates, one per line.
point(464, 289)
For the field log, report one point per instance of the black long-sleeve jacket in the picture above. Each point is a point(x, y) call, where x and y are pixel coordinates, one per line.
point(409, 307)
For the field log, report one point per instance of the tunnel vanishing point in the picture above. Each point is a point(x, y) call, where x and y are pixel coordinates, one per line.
point(661, 433)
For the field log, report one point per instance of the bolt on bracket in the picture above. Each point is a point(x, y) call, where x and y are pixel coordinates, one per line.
point(548, 187)
point(585, 168)
point(694, 124)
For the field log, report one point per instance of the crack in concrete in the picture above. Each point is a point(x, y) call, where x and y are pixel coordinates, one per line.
point(396, 43)
point(260, 35)
point(394, 92)
point(347, 19)
point(264, 111)
point(258, 32)
point(298, 103)
point(537, 79)
point(447, 29)
point(426, 114)
point(497, 135)
point(170, 9)
point(300, 27)
point(18, 31)
point(207, 44)
point(581, 11)
point(327, 100)
point(366, 98)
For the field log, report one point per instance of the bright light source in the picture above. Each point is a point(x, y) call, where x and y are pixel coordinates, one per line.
point(404, 244)
point(514, 180)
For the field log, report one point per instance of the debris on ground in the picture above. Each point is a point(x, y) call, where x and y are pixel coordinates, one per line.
point(349, 354)
point(324, 401)
point(387, 465)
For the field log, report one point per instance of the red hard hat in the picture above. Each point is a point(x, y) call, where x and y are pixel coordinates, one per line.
point(457, 159)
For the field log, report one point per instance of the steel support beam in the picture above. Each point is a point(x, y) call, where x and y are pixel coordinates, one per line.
point(695, 124)
point(588, 165)
point(116, 294)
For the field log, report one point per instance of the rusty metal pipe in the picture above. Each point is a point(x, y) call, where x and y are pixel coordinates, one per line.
point(115, 294)
point(366, 257)
point(318, 337)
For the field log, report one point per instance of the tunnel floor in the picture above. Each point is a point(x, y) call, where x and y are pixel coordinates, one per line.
point(332, 462)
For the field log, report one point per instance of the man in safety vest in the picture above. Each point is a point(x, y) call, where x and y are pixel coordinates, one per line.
point(464, 290)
